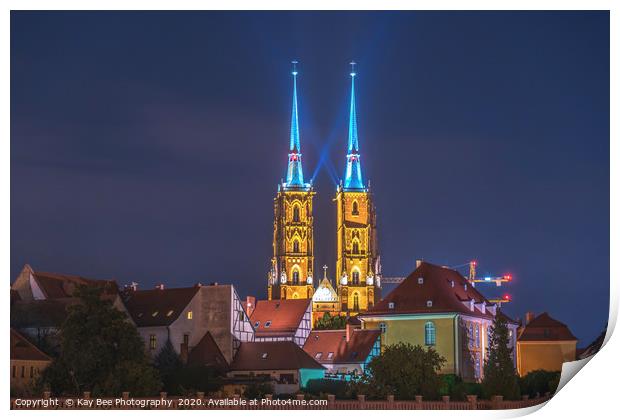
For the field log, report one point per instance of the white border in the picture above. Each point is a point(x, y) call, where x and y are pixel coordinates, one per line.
point(592, 395)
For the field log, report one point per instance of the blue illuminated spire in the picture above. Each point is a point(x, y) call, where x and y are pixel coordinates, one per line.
point(294, 175)
point(353, 175)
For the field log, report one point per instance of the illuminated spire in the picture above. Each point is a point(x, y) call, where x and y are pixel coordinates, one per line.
point(353, 174)
point(294, 175)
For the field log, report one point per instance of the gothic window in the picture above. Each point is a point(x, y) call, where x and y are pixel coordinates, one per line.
point(295, 277)
point(296, 217)
point(356, 247)
point(356, 301)
point(355, 211)
point(429, 334)
point(295, 246)
point(356, 277)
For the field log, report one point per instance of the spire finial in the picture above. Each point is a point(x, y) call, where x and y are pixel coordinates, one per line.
point(353, 73)
point(294, 63)
point(325, 271)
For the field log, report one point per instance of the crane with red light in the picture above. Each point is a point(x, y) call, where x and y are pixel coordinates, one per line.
point(487, 279)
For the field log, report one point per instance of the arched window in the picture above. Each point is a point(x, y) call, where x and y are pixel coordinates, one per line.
point(356, 301)
point(296, 213)
point(429, 334)
point(295, 277)
point(355, 211)
point(356, 247)
point(295, 246)
point(356, 277)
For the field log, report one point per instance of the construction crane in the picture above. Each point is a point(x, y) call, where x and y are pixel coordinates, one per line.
point(504, 299)
point(487, 279)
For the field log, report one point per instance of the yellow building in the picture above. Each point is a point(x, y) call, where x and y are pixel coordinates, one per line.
point(437, 307)
point(358, 266)
point(27, 363)
point(292, 264)
point(544, 343)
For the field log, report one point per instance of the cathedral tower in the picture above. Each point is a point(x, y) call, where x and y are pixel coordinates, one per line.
point(358, 268)
point(292, 264)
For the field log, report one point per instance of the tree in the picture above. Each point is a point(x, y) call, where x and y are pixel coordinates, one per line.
point(100, 352)
point(404, 371)
point(539, 382)
point(500, 376)
point(328, 322)
point(168, 363)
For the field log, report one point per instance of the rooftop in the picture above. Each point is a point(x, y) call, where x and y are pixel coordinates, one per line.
point(22, 349)
point(158, 307)
point(545, 328)
point(273, 317)
point(272, 355)
point(331, 346)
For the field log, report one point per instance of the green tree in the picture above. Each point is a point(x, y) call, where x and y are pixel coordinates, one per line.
point(500, 376)
point(404, 371)
point(328, 322)
point(100, 352)
point(539, 382)
point(168, 363)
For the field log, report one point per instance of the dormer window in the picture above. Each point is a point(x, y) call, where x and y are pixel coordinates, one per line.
point(330, 355)
point(263, 356)
point(257, 324)
point(170, 312)
point(267, 324)
point(318, 355)
point(154, 314)
point(420, 280)
point(452, 283)
point(429, 303)
point(391, 305)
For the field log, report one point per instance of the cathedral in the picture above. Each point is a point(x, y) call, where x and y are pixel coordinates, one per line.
point(358, 267)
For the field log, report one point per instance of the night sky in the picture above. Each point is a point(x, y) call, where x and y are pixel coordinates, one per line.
point(147, 147)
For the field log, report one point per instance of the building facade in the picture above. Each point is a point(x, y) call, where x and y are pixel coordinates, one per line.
point(358, 267)
point(437, 307)
point(292, 264)
point(27, 363)
point(544, 343)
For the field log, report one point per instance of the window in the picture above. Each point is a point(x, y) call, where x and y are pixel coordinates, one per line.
point(429, 303)
point(355, 211)
point(383, 327)
point(356, 302)
point(295, 277)
point(241, 317)
point(170, 312)
point(356, 247)
point(470, 335)
point(391, 305)
point(296, 217)
point(318, 355)
point(356, 277)
point(257, 324)
point(186, 339)
point(190, 314)
point(295, 246)
point(267, 324)
point(420, 280)
point(477, 335)
point(429, 334)
point(154, 314)
point(264, 356)
point(330, 355)
point(152, 342)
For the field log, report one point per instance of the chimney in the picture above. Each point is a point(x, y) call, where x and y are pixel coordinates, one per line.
point(529, 316)
point(348, 331)
point(160, 286)
point(418, 263)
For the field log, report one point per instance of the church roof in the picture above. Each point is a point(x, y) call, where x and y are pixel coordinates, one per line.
point(325, 292)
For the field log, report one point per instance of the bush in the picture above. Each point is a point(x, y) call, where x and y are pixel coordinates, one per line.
point(539, 382)
point(257, 390)
point(458, 390)
point(322, 387)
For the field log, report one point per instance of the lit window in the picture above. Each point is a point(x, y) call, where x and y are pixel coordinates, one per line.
point(330, 355)
point(190, 315)
point(170, 312)
point(257, 324)
point(152, 342)
point(383, 327)
point(420, 280)
point(429, 303)
point(318, 355)
point(391, 305)
point(264, 355)
point(267, 324)
point(429, 334)
point(154, 314)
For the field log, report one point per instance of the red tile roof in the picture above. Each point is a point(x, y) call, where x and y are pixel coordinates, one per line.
point(283, 316)
point(272, 355)
point(56, 286)
point(356, 350)
point(447, 289)
point(207, 353)
point(545, 328)
point(22, 349)
point(156, 307)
